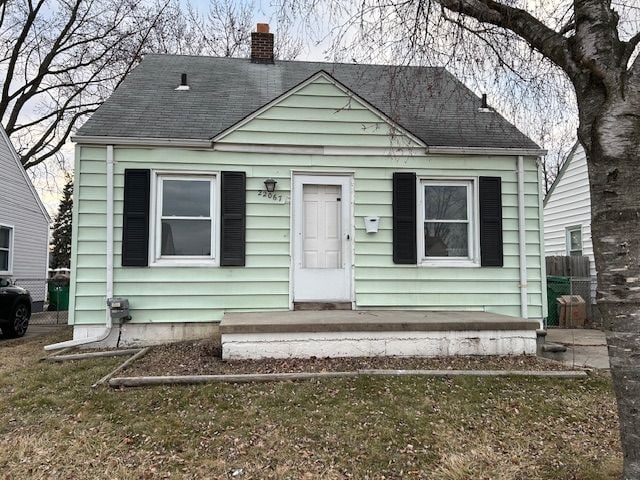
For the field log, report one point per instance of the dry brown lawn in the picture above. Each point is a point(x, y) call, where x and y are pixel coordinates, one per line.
point(53, 425)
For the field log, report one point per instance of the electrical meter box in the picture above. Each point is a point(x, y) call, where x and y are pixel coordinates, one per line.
point(119, 308)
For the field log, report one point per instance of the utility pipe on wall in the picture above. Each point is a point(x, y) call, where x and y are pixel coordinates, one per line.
point(109, 273)
point(543, 265)
point(522, 241)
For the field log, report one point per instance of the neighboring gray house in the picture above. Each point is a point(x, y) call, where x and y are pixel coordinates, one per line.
point(567, 213)
point(24, 226)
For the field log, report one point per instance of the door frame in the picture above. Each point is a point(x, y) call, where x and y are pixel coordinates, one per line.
point(349, 250)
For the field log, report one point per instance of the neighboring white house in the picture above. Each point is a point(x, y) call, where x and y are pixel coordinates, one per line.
point(24, 226)
point(567, 212)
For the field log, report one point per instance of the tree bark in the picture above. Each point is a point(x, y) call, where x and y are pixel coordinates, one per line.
point(610, 133)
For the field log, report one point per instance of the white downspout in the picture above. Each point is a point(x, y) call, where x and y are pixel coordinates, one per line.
point(109, 277)
point(543, 264)
point(522, 241)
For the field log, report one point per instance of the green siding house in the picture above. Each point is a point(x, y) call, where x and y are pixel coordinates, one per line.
point(209, 186)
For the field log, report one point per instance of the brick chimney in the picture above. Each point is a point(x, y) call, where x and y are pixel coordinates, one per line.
point(262, 44)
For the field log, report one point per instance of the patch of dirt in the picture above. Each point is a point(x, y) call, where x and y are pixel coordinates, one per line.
point(203, 358)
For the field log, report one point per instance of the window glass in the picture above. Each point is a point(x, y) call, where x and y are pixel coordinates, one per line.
point(446, 220)
point(4, 260)
point(445, 202)
point(185, 220)
point(5, 244)
point(574, 237)
point(575, 241)
point(5, 234)
point(186, 198)
point(186, 237)
point(446, 239)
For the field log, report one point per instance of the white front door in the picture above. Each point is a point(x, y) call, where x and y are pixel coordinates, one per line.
point(322, 259)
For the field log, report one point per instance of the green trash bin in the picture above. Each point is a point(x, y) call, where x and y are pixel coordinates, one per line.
point(59, 294)
point(556, 287)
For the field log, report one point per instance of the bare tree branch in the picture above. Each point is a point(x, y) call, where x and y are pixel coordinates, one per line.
point(548, 42)
point(58, 63)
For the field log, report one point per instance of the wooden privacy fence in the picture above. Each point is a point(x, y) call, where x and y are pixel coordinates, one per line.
point(564, 266)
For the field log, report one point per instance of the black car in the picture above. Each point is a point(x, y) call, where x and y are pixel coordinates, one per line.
point(15, 309)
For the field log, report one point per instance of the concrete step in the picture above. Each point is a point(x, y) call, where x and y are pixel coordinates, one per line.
point(358, 333)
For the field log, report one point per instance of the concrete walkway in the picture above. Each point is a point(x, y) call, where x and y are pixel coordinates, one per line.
point(585, 347)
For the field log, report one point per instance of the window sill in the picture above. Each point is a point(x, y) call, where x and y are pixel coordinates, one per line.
point(449, 263)
point(191, 262)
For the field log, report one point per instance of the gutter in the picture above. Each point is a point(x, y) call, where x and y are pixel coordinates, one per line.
point(522, 241)
point(300, 149)
point(532, 152)
point(109, 277)
point(141, 141)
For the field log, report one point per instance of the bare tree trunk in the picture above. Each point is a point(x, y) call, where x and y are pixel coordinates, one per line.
point(610, 134)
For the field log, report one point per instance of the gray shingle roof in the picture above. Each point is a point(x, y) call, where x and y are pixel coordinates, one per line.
point(429, 102)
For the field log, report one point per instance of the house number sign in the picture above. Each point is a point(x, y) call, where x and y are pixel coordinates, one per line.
point(274, 197)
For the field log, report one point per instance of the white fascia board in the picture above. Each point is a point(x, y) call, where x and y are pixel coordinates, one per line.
point(142, 141)
point(525, 152)
point(16, 157)
point(300, 149)
point(324, 75)
point(348, 151)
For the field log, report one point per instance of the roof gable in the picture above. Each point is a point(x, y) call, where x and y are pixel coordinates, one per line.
point(320, 111)
point(563, 169)
point(15, 161)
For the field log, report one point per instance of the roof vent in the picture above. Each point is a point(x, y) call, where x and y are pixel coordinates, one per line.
point(484, 106)
point(183, 83)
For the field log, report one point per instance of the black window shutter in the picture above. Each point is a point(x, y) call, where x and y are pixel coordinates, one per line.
point(135, 224)
point(490, 194)
point(233, 212)
point(404, 218)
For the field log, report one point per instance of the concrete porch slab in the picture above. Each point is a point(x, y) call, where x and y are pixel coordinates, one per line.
point(303, 334)
point(370, 321)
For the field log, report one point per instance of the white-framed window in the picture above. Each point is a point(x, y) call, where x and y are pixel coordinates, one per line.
point(448, 223)
point(6, 249)
point(184, 220)
point(574, 240)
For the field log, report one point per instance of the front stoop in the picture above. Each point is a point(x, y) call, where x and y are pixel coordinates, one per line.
point(304, 334)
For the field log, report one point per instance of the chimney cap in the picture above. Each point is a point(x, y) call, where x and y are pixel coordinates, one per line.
point(262, 28)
